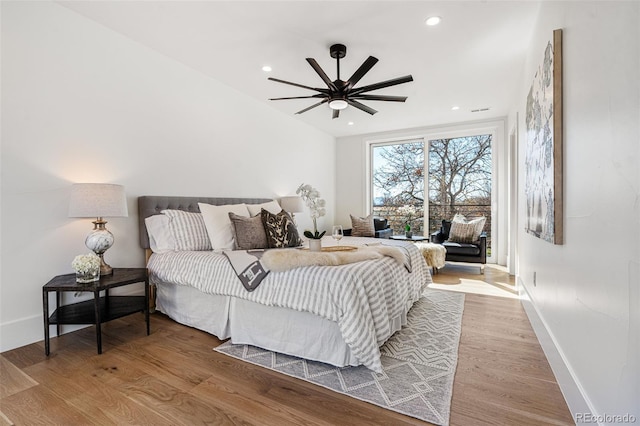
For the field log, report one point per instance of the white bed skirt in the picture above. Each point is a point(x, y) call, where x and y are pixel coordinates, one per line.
point(282, 330)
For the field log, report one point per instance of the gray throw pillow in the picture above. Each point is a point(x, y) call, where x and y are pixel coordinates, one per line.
point(280, 230)
point(362, 226)
point(248, 232)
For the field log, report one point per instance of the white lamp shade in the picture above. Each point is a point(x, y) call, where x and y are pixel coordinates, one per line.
point(97, 200)
point(292, 204)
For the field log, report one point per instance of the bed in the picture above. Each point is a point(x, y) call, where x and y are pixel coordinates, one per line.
point(333, 314)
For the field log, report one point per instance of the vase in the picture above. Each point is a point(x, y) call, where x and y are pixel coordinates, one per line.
point(88, 276)
point(315, 244)
point(408, 234)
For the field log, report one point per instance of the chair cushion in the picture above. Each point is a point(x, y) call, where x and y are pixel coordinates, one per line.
point(461, 248)
point(384, 233)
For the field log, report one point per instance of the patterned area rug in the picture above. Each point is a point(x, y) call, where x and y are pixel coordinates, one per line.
point(419, 362)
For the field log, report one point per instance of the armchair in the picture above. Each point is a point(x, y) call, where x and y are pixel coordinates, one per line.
point(475, 252)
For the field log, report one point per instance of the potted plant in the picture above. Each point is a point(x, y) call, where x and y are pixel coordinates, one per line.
point(409, 212)
point(87, 267)
point(316, 205)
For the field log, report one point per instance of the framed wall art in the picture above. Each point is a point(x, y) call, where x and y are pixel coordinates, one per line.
point(543, 155)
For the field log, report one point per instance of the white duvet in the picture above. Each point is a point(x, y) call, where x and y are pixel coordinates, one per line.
point(362, 297)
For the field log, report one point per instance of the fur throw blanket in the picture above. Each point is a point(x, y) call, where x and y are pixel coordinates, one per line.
point(285, 259)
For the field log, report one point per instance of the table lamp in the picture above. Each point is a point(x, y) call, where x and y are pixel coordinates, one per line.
point(292, 204)
point(98, 200)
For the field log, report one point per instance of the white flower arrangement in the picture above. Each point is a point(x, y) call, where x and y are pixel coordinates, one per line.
point(85, 263)
point(316, 205)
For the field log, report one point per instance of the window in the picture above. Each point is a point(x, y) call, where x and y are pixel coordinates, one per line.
point(460, 171)
point(398, 182)
point(457, 173)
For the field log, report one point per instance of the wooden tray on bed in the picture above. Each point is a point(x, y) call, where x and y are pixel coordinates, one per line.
point(336, 248)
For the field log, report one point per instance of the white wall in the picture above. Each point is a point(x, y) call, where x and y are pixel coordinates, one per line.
point(588, 289)
point(81, 103)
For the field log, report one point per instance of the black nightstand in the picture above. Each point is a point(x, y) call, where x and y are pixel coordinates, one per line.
point(101, 308)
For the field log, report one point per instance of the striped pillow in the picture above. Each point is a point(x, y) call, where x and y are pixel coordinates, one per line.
point(188, 230)
point(362, 226)
point(466, 231)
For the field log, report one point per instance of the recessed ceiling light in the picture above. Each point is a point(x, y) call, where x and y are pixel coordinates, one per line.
point(455, 108)
point(350, 123)
point(432, 20)
point(266, 68)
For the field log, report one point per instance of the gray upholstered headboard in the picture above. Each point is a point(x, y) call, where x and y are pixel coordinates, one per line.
point(149, 205)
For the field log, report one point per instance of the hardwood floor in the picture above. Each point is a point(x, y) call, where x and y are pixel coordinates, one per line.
point(173, 377)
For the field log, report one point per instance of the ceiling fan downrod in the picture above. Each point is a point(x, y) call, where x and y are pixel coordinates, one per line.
point(337, 52)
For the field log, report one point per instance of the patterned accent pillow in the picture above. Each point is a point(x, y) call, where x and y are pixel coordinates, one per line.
point(466, 231)
point(280, 229)
point(362, 226)
point(188, 230)
point(248, 232)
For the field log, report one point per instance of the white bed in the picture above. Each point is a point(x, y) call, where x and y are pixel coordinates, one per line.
point(248, 318)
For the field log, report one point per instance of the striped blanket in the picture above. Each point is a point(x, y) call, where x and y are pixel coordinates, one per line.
point(360, 297)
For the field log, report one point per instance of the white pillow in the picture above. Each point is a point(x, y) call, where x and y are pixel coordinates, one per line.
point(218, 224)
point(270, 206)
point(188, 230)
point(160, 237)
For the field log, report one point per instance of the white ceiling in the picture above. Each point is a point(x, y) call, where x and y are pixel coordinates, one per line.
point(472, 59)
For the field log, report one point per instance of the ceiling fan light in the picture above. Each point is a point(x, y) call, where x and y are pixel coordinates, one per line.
point(433, 20)
point(338, 104)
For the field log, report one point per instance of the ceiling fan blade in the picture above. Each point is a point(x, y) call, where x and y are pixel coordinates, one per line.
point(322, 74)
point(379, 98)
point(361, 106)
point(312, 106)
point(319, 95)
point(299, 85)
point(360, 72)
point(382, 84)
point(336, 113)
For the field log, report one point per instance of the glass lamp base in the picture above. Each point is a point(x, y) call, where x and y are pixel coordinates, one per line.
point(99, 240)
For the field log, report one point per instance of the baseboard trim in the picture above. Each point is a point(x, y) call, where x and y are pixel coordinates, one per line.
point(573, 393)
point(21, 332)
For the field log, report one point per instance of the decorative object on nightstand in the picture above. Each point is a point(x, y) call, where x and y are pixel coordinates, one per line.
point(98, 200)
point(87, 267)
point(292, 204)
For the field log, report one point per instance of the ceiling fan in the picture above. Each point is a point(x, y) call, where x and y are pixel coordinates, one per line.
point(339, 94)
